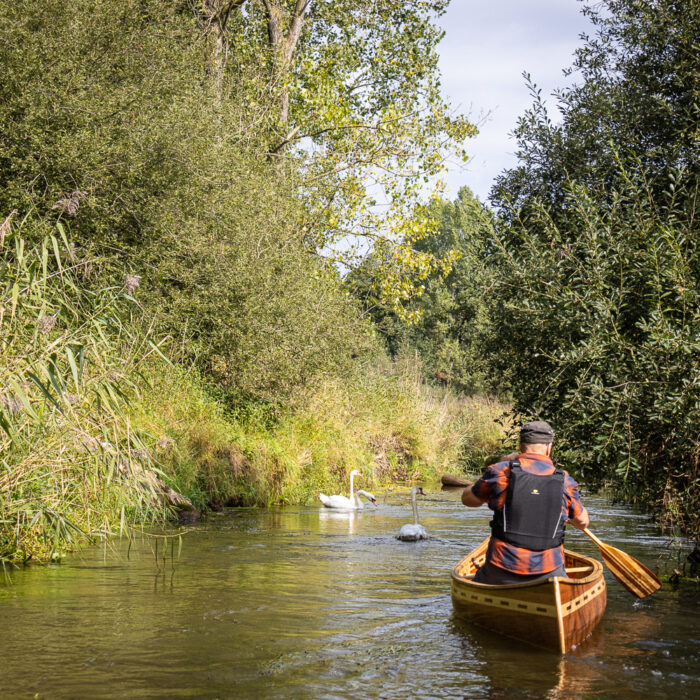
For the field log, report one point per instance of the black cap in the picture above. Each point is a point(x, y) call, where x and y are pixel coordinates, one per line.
point(536, 432)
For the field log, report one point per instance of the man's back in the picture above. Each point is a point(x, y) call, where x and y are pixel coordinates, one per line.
point(511, 488)
point(492, 489)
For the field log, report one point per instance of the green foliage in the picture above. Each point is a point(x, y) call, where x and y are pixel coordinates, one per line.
point(450, 313)
point(597, 327)
point(595, 312)
point(210, 155)
point(110, 118)
point(95, 101)
point(351, 91)
point(386, 423)
point(91, 413)
point(253, 307)
point(638, 98)
point(256, 127)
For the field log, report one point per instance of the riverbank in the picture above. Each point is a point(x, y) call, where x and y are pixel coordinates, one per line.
point(386, 424)
point(389, 426)
point(100, 432)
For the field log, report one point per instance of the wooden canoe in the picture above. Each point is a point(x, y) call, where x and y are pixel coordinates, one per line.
point(556, 613)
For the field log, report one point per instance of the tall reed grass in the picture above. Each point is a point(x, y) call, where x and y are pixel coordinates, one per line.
point(71, 464)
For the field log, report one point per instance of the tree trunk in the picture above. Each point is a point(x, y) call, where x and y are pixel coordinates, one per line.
point(213, 17)
point(283, 42)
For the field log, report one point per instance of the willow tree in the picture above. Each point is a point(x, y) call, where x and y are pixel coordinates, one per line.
point(596, 313)
point(350, 92)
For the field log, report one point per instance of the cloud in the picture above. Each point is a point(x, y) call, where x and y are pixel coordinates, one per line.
point(486, 48)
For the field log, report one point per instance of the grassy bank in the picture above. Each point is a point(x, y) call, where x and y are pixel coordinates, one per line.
point(385, 423)
point(98, 429)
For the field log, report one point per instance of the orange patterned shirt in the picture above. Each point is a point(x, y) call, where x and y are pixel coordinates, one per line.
point(491, 489)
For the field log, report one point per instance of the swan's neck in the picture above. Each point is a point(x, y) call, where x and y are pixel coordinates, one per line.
point(414, 505)
point(352, 486)
point(358, 500)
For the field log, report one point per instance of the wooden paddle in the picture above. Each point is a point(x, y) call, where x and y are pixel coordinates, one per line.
point(633, 575)
point(449, 480)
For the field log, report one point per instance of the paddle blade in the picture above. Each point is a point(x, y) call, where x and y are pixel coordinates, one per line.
point(633, 575)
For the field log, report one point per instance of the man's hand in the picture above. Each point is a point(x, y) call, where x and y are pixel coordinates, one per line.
point(581, 521)
point(469, 499)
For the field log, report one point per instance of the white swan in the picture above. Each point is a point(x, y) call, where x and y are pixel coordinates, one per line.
point(415, 531)
point(345, 503)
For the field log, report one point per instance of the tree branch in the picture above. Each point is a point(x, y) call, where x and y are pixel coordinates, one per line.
point(295, 29)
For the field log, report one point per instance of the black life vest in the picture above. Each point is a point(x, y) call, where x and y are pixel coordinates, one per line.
point(532, 514)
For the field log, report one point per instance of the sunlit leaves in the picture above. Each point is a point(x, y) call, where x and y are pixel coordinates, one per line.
point(360, 108)
point(447, 318)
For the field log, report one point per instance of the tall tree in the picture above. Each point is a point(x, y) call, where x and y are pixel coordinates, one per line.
point(638, 95)
point(213, 16)
point(352, 94)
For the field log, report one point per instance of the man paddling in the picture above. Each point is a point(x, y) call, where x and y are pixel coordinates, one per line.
point(531, 501)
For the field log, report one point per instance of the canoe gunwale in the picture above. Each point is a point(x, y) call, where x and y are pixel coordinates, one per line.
point(596, 573)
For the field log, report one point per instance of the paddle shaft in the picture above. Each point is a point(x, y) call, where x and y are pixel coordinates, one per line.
point(449, 480)
point(599, 542)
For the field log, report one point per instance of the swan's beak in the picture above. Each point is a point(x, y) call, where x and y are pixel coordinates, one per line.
point(374, 501)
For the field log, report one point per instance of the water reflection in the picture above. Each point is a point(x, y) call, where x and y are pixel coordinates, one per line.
point(333, 521)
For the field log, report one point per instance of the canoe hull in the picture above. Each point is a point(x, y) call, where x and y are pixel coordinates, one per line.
point(556, 613)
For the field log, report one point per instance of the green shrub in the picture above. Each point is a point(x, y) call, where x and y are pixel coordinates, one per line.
point(599, 331)
point(110, 120)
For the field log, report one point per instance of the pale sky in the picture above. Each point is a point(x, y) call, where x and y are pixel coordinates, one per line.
point(487, 46)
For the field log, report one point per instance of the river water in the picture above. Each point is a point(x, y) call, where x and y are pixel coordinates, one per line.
point(306, 602)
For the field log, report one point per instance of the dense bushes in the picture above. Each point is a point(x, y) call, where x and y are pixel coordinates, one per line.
point(582, 293)
point(599, 261)
point(110, 119)
point(97, 427)
point(212, 163)
point(597, 328)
